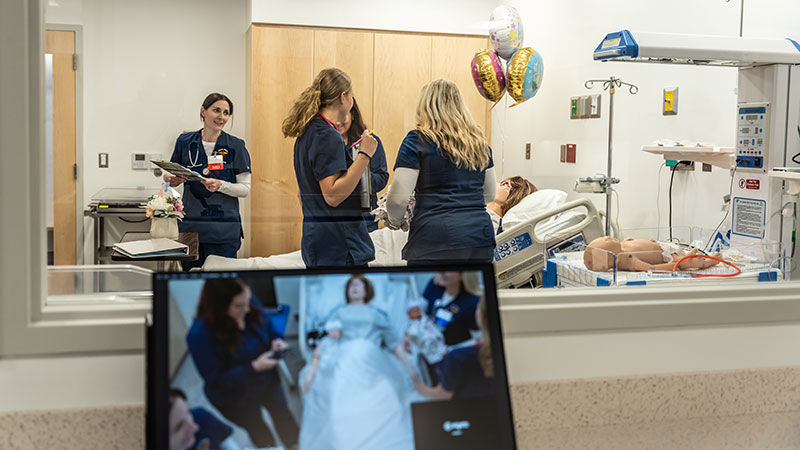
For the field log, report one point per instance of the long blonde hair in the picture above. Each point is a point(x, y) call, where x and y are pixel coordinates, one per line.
point(443, 119)
point(326, 89)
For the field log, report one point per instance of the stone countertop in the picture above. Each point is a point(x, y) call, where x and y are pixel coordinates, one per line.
point(757, 408)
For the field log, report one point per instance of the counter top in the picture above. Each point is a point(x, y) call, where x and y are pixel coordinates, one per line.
point(754, 408)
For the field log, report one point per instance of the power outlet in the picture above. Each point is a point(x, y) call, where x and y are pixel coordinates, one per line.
point(684, 165)
point(528, 150)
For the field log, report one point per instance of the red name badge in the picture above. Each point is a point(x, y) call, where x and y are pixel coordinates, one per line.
point(215, 162)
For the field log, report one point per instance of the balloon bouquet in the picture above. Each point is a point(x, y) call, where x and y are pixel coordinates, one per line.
point(523, 75)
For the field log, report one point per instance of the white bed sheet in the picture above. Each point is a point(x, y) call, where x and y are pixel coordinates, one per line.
point(388, 248)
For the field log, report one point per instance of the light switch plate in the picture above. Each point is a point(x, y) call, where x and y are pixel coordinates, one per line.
point(102, 160)
point(594, 106)
point(669, 101)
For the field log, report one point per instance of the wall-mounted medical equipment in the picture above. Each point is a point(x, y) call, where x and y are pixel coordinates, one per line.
point(768, 110)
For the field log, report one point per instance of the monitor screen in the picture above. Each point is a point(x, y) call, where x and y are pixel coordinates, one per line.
point(388, 358)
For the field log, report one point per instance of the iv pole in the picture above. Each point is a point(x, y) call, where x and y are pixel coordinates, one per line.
point(611, 84)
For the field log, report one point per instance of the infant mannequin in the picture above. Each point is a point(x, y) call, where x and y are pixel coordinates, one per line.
point(423, 333)
point(639, 255)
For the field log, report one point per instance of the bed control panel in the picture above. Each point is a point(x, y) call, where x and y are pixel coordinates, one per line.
point(751, 136)
point(512, 246)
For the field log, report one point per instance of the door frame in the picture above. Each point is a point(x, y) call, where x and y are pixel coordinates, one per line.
point(80, 254)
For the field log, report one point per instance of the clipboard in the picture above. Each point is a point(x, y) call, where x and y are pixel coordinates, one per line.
point(178, 170)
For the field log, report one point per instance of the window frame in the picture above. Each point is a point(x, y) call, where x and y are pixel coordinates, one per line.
point(28, 326)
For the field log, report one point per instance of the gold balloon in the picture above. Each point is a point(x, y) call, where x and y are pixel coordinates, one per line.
point(488, 75)
point(516, 73)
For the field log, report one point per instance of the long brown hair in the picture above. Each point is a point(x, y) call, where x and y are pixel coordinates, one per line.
point(520, 188)
point(369, 290)
point(357, 125)
point(326, 89)
point(485, 352)
point(215, 299)
point(444, 119)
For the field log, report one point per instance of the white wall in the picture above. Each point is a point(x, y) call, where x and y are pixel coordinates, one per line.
point(441, 16)
point(147, 66)
point(566, 33)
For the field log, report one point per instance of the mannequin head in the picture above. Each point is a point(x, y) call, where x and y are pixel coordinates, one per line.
point(511, 191)
point(600, 254)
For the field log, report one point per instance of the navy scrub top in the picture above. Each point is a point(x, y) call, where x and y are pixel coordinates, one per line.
point(228, 375)
point(332, 236)
point(450, 211)
point(213, 215)
point(379, 175)
point(463, 313)
point(460, 372)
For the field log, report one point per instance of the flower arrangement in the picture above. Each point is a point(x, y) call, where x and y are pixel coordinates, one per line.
point(164, 204)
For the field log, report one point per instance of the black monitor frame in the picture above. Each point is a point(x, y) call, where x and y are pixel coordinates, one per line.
point(157, 339)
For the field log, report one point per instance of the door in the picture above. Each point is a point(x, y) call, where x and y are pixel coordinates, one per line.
point(60, 49)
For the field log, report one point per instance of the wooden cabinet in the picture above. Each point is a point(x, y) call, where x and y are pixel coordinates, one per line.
point(387, 69)
point(280, 67)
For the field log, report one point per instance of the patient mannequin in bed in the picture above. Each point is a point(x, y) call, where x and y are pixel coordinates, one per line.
point(640, 255)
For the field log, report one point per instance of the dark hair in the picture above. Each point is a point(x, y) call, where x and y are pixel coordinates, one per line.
point(214, 97)
point(357, 125)
point(485, 351)
point(175, 393)
point(215, 299)
point(370, 290)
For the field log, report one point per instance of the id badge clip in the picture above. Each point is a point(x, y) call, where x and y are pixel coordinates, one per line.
point(215, 162)
point(443, 318)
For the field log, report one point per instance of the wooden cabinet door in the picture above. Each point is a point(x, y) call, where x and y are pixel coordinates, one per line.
point(451, 60)
point(402, 68)
point(351, 51)
point(280, 66)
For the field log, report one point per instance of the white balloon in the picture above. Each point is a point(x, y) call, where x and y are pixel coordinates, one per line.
point(505, 31)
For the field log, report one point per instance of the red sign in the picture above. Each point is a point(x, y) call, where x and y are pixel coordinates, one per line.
point(749, 183)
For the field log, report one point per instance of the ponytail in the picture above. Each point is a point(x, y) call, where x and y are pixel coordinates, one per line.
point(302, 111)
point(327, 87)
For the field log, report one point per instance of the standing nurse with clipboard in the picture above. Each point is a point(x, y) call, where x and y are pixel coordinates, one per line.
point(211, 206)
point(334, 233)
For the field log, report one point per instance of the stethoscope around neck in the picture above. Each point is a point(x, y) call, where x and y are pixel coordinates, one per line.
point(195, 162)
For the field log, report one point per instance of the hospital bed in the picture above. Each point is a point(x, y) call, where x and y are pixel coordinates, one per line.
point(519, 256)
point(521, 250)
point(319, 295)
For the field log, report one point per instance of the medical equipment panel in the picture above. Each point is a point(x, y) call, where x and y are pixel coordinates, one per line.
point(512, 246)
point(752, 136)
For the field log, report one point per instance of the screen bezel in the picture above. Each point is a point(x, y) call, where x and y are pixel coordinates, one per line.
point(157, 376)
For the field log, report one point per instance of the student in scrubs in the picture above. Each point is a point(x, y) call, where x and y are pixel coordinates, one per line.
point(334, 232)
point(211, 206)
point(465, 372)
point(448, 163)
point(351, 129)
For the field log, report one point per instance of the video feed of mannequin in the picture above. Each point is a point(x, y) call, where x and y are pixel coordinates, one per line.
point(326, 361)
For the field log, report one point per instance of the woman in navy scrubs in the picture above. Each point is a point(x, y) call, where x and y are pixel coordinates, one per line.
point(211, 206)
point(234, 346)
point(351, 129)
point(334, 232)
point(448, 162)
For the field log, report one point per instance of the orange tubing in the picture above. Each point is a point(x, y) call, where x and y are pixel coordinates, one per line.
point(709, 275)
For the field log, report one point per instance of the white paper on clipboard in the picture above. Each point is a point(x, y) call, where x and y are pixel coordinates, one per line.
point(178, 170)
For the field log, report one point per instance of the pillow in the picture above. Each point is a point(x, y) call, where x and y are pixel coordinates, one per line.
point(534, 204)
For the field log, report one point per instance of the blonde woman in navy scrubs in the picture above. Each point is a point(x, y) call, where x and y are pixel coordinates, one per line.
point(448, 163)
point(212, 205)
point(334, 233)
